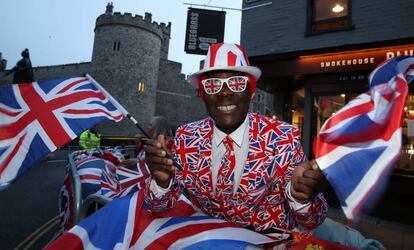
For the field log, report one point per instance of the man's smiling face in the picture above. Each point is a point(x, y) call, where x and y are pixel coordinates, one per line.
point(227, 108)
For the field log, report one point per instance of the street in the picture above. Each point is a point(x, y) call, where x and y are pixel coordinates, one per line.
point(31, 202)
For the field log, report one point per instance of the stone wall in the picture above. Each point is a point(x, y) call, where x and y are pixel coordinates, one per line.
point(55, 71)
point(177, 100)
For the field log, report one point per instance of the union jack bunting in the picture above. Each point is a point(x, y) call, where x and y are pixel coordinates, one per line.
point(132, 179)
point(358, 146)
point(125, 223)
point(37, 118)
point(100, 177)
point(119, 181)
point(109, 181)
point(66, 204)
point(89, 170)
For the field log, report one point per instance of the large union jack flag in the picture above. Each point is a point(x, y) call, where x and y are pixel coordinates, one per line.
point(358, 146)
point(126, 223)
point(39, 117)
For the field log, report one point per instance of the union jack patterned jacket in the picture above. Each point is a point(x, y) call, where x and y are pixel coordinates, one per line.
point(260, 201)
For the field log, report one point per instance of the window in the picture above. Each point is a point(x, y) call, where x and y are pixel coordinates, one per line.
point(116, 46)
point(328, 15)
point(326, 106)
point(405, 164)
point(141, 87)
point(294, 110)
point(259, 97)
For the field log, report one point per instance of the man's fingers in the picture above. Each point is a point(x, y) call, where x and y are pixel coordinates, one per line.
point(303, 192)
point(162, 177)
point(151, 143)
point(306, 165)
point(155, 150)
point(168, 152)
point(309, 186)
point(307, 181)
point(161, 140)
point(152, 159)
point(313, 174)
point(314, 165)
point(163, 168)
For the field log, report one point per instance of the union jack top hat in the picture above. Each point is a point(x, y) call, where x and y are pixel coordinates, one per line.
point(225, 56)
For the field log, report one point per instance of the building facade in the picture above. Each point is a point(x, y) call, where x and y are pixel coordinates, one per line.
point(130, 60)
point(316, 56)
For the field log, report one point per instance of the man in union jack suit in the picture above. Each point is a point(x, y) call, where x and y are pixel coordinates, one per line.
point(237, 165)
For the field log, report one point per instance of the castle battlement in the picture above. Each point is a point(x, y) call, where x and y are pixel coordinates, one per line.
point(166, 29)
point(118, 18)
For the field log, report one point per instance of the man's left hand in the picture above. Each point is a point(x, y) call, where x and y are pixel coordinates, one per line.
point(307, 181)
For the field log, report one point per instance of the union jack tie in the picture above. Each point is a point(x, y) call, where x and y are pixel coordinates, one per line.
point(225, 175)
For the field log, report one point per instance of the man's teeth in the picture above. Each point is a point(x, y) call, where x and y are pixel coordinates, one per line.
point(226, 108)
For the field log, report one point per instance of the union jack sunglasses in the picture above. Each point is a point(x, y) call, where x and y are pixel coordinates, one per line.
point(236, 84)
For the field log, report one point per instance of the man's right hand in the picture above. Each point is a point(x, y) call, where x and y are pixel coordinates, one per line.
point(161, 168)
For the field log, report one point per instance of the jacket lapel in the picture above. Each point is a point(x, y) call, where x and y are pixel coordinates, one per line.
point(204, 174)
point(247, 179)
point(254, 182)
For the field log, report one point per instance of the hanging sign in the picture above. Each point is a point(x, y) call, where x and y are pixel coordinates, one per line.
point(204, 28)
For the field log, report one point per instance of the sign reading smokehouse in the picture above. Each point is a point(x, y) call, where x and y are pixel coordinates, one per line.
point(334, 62)
point(354, 60)
point(204, 28)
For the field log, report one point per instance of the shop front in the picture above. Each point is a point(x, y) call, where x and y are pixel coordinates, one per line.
point(311, 88)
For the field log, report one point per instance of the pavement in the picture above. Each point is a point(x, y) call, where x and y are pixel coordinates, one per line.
point(392, 235)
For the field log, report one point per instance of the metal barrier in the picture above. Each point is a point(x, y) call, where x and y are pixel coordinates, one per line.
point(80, 208)
point(96, 199)
point(77, 188)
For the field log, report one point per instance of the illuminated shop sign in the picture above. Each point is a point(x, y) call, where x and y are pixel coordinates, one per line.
point(355, 60)
point(343, 61)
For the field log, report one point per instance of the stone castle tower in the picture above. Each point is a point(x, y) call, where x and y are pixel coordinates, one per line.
point(126, 60)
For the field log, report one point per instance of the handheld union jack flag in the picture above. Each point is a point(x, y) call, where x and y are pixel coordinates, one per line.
point(37, 118)
point(357, 146)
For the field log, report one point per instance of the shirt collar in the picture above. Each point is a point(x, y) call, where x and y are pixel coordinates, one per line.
point(236, 135)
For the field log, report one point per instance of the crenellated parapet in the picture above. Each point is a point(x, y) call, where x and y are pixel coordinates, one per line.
point(166, 29)
point(138, 21)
